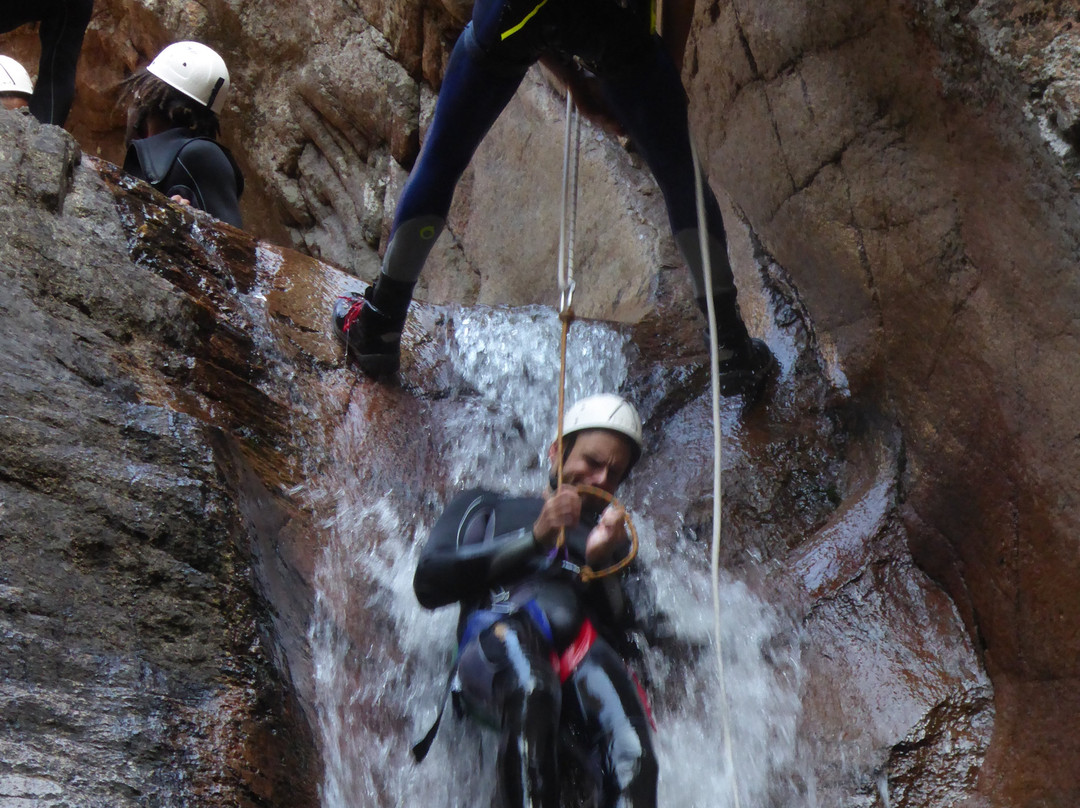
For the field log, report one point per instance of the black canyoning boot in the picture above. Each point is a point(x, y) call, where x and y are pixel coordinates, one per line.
point(744, 363)
point(370, 326)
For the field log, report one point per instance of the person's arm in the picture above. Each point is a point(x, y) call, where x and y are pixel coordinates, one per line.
point(623, 609)
point(463, 557)
point(607, 541)
point(212, 181)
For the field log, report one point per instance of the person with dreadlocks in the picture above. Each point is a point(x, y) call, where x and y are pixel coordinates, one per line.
point(173, 106)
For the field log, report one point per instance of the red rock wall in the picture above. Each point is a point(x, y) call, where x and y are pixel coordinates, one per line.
point(910, 167)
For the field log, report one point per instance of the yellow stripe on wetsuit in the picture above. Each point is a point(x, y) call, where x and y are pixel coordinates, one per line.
point(511, 31)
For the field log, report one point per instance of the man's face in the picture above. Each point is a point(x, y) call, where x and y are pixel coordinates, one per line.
point(599, 458)
point(13, 100)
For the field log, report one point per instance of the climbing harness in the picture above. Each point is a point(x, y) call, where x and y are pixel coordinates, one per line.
point(567, 223)
point(714, 367)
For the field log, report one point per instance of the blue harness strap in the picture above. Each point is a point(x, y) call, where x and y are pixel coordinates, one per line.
point(478, 622)
point(483, 619)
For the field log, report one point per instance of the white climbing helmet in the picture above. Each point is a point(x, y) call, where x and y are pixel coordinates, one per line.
point(605, 411)
point(195, 70)
point(14, 78)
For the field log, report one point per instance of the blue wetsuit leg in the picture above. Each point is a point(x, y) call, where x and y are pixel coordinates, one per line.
point(649, 100)
point(507, 677)
point(602, 698)
point(473, 95)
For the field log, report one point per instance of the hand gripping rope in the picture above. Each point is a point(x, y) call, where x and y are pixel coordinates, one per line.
point(571, 153)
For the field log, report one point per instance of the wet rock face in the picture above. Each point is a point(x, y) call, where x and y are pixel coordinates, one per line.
point(170, 399)
point(136, 668)
point(910, 167)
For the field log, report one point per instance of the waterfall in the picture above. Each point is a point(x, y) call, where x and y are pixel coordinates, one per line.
point(381, 661)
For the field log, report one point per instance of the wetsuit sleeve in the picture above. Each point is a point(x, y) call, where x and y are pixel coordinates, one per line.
point(463, 557)
point(210, 181)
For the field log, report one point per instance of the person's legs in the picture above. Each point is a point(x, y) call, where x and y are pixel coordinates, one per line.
point(507, 677)
point(62, 31)
point(475, 90)
point(603, 699)
point(648, 99)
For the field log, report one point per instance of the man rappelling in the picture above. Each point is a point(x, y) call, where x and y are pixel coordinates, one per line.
point(539, 631)
point(614, 41)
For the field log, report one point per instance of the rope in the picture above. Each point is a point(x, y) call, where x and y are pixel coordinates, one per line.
point(714, 366)
point(567, 225)
point(587, 572)
point(568, 222)
point(568, 218)
point(566, 318)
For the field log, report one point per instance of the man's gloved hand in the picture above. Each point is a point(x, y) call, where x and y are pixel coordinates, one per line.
point(561, 510)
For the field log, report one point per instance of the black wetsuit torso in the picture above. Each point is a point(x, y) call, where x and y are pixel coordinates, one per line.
point(524, 612)
point(197, 168)
point(482, 551)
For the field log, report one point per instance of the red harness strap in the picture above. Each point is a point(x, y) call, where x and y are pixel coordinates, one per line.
point(575, 651)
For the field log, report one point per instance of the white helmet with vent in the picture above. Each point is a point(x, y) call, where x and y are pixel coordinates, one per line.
point(195, 70)
point(605, 411)
point(14, 78)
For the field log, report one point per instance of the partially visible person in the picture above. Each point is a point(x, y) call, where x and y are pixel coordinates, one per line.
point(63, 25)
point(172, 128)
point(15, 85)
point(633, 79)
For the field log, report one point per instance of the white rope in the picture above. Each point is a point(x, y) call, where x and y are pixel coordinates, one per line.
point(714, 365)
point(568, 222)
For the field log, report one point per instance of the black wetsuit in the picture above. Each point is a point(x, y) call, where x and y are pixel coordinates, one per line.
point(199, 169)
point(63, 24)
point(529, 659)
point(616, 40)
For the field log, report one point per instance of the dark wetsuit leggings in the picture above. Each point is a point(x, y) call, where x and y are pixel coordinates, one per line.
point(506, 675)
point(638, 80)
point(63, 24)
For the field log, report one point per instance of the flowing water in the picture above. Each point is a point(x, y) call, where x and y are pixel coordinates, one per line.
point(381, 661)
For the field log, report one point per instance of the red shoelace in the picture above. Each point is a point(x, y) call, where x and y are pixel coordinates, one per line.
point(354, 311)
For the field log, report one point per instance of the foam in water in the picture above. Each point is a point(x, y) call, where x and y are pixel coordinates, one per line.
point(375, 700)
